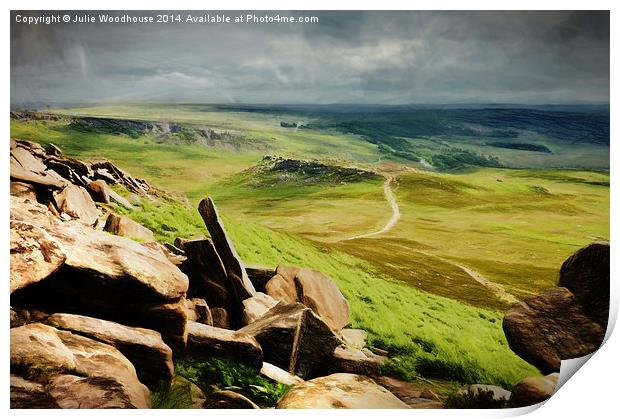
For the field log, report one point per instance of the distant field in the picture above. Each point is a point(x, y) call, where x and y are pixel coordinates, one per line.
point(433, 288)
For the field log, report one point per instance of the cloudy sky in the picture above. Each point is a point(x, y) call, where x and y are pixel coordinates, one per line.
point(348, 57)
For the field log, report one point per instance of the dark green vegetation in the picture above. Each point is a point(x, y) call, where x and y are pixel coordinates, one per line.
point(521, 146)
point(431, 290)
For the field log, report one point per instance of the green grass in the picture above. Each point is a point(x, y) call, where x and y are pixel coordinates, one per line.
point(224, 373)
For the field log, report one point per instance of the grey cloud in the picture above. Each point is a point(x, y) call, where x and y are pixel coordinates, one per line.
point(349, 57)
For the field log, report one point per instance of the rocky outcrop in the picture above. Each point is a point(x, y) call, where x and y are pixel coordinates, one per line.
point(533, 390)
point(77, 203)
point(355, 361)
point(586, 275)
point(30, 395)
point(340, 391)
point(35, 255)
point(550, 327)
point(312, 288)
point(145, 349)
point(75, 392)
point(235, 269)
point(294, 338)
point(209, 341)
point(126, 227)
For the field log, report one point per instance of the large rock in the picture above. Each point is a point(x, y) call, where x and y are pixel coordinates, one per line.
point(340, 391)
point(151, 357)
point(29, 395)
point(35, 255)
point(126, 227)
point(255, 307)
point(197, 310)
point(550, 327)
point(533, 390)
point(208, 341)
point(235, 269)
point(99, 191)
point(44, 179)
point(42, 352)
point(23, 190)
point(76, 202)
point(279, 375)
point(354, 338)
point(169, 319)
point(98, 360)
point(27, 160)
point(226, 399)
point(30, 211)
point(74, 392)
point(313, 289)
point(586, 275)
point(294, 338)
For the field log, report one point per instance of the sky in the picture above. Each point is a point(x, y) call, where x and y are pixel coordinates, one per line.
point(412, 57)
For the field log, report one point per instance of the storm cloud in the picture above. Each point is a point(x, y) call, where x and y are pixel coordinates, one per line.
point(347, 57)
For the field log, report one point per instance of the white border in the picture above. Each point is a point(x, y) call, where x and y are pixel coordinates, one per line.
point(591, 393)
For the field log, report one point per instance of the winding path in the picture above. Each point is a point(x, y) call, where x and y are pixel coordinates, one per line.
point(389, 196)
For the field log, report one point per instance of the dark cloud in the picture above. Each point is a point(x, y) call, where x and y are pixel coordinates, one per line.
point(348, 57)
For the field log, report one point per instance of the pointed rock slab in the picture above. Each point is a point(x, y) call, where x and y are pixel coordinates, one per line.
point(534, 390)
point(586, 275)
point(550, 327)
point(313, 289)
point(76, 202)
point(294, 338)
point(204, 340)
point(340, 391)
point(99, 191)
point(126, 227)
point(151, 357)
point(27, 160)
point(20, 174)
point(235, 268)
point(35, 255)
point(30, 395)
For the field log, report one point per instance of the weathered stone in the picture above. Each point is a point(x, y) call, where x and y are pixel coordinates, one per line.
point(208, 277)
point(125, 226)
point(355, 338)
point(220, 317)
point(37, 350)
point(96, 359)
point(35, 255)
point(74, 170)
point(550, 327)
point(27, 160)
point(204, 340)
point(415, 395)
point(255, 307)
point(533, 390)
point(29, 395)
point(75, 201)
point(313, 289)
point(19, 317)
point(73, 392)
point(279, 375)
point(226, 399)
point(294, 338)
point(151, 357)
point(169, 319)
point(196, 396)
point(20, 174)
point(354, 361)
point(340, 391)
point(260, 275)
point(586, 275)
point(99, 191)
point(226, 250)
point(281, 289)
point(197, 310)
point(30, 211)
point(23, 190)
